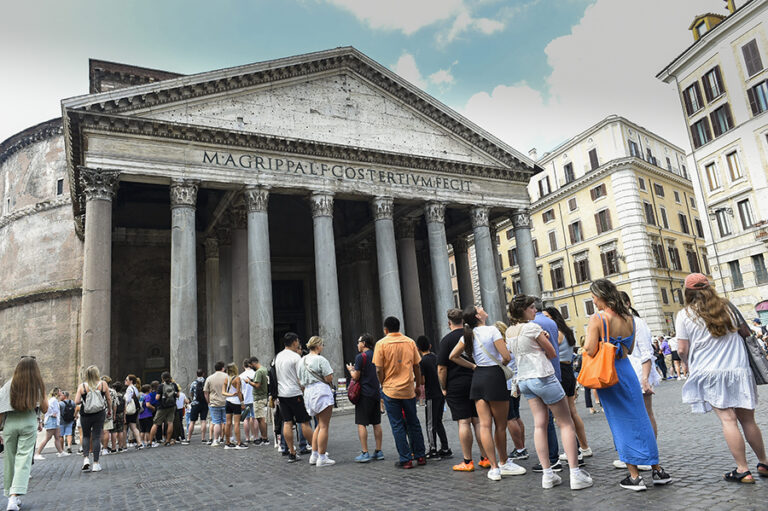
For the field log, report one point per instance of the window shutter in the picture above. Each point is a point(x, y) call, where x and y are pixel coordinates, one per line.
point(541, 188)
point(727, 109)
point(698, 93)
point(695, 136)
point(604, 261)
point(687, 101)
point(715, 124)
point(707, 89)
point(752, 57)
point(719, 79)
point(593, 194)
point(753, 101)
point(593, 159)
point(570, 233)
point(707, 130)
point(597, 223)
point(608, 224)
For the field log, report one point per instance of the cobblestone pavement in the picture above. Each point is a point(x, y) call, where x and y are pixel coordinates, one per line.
point(198, 477)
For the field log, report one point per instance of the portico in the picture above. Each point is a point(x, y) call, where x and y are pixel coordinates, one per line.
point(336, 188)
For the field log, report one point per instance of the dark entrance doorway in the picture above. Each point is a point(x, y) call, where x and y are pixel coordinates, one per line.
point(289, 299)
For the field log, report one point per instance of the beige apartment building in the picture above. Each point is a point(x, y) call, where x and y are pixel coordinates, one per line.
point(615, 201)
point(722, 80)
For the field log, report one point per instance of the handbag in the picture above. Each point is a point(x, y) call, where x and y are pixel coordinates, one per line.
point(508, 373)
point(354, 388)
point(599, 371)
point(130, 408)
point(94, 400)
point(756, 354)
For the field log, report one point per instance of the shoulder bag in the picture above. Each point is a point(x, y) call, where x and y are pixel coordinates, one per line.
point(94, 400)
point(130, 407)
point(319, 377)
point(599, 371)
point(756, 354)
point(354, 388)
point(508, 373)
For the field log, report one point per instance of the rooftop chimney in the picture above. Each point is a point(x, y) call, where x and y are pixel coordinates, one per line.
point(533, 154)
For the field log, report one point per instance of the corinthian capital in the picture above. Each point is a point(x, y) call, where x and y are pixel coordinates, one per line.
point(99, 184)
point(257, 198)
point(435, 212)
point(183, 193)
point(521, 218)
point(479, 216)
point(382, 207)
point(322, 204)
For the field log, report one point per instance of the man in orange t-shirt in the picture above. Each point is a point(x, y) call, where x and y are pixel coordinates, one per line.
point(397, 358)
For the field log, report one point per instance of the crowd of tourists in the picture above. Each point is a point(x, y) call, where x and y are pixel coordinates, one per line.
point(479, 371)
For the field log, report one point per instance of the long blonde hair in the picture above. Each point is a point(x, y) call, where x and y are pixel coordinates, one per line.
point(712, 309)
point(92, 377)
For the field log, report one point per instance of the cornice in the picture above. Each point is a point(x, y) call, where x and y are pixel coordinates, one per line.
point(629, 163)
point(31, 210)
point(29, 136)
point(64, 290)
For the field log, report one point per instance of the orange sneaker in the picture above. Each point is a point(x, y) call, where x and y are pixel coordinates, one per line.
point(465, 467)
point(484, 462)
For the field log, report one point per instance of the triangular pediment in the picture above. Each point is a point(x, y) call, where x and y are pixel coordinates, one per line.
point(339, 97)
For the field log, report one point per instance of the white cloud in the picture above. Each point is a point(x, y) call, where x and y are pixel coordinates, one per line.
point(606, 65)
point(408, 16)
point(464, 22)
point(407, 68)
point(441, 77)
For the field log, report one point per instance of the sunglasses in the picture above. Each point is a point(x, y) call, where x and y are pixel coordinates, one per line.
point(29, 356)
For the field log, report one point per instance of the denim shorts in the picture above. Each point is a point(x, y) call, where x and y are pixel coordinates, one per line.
point(66, 428)
point(548, 389)
point(247, 412)
point(52, 423)
point(218, 415)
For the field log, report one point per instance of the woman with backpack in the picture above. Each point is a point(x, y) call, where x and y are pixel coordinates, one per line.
point(94, 399)
point(720, 374)
point(19, 398)
point(233, 407)
point(51, 424)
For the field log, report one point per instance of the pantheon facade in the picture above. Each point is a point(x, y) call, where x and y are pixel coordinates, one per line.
point(168, 221)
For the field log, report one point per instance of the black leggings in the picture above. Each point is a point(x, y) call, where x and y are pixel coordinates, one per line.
point(434, 416)
point(92, 424)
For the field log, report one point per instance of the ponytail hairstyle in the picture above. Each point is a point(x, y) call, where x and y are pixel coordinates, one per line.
point(628, 303)
point(469, 315)
point(561, 325)
point(607, 292)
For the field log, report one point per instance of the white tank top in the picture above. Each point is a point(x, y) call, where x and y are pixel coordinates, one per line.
point(231, 389)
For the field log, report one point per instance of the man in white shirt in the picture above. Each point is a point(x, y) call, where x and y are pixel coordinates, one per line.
point(290, 394)
point(247, 415)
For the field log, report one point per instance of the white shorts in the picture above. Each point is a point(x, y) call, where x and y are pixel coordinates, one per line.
point(317, 397)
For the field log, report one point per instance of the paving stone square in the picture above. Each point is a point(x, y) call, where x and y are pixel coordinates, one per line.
point(692, 450)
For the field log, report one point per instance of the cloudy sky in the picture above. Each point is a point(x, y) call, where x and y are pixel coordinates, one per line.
point(532, 72)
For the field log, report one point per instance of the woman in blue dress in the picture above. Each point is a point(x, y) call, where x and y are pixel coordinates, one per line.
point(623, 403)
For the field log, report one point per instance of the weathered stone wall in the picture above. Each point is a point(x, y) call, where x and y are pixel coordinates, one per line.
point(40, 263)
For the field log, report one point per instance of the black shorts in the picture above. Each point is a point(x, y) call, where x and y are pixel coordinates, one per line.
point(368, 411)
point(514, 408)
point(232, 409)
point(198, 410)
point(489, 384)
point(292, 409)
point(675, 356)
point(569, 380)
point(132, 419)
point(459, 403)
point(145, 424)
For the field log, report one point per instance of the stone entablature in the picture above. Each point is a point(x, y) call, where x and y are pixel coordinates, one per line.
point(42, 131)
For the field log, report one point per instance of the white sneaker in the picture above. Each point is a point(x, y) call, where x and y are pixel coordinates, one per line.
point(581, 480)
point(644, 468)
point(62, 454)
point(96, 467)
point(86, 464)
point(619, 464)
point(510, 468)
point(313, 458)
point(564, 457)
point(324, 462)
point(104, 452)
point(14, 504)
point(586, 453)
point(494, 474)
point(155, 444)
point(215, 443)
point(39, 457)
point(550, 481)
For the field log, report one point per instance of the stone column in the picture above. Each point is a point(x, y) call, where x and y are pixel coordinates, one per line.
point(497, 264)
point(366, 289)
point(259, 275)
point(526, 260)
point(211, 300)
point(328, 306)
point(486, 269)
point(183, 283)
point(386, 255)
point(241, 345)
point(223, 347)
point(463, 273)
point(99, 187)
point(406, 250)
point(441, 268)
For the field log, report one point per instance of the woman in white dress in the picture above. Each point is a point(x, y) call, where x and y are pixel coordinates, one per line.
point(719, 374)
point(316, 377)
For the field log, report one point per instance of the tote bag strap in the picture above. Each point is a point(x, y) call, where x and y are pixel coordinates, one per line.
point(605, 331)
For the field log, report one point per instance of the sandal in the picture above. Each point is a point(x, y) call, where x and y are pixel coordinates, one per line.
point(762, 469)
point(736, 477)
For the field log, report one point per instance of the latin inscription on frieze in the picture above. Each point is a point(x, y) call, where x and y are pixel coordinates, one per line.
point(341, 172)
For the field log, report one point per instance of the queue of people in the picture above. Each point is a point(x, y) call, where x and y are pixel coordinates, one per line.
point(478, 370)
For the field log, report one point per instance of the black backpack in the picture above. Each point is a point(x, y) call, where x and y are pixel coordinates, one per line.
point(272, 383)
point(167, 395)
point(119, 403)
point(68, 413)
point(198, 394)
